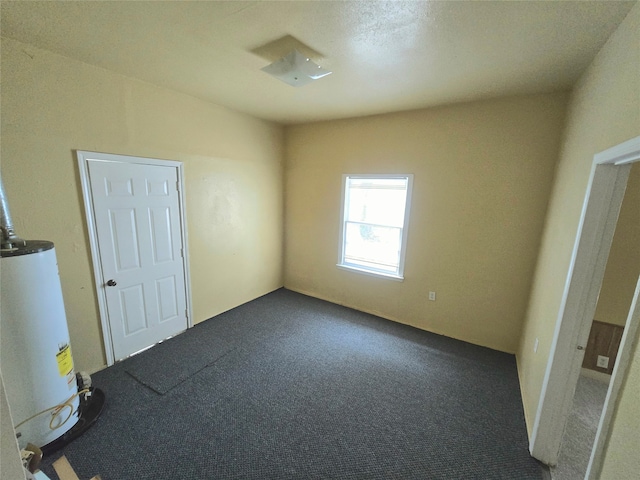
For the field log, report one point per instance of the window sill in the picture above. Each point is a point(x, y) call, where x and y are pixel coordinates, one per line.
point(390, 276)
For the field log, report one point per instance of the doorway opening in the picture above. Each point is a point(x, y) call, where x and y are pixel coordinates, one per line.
point(607, 329)
point(605, 192)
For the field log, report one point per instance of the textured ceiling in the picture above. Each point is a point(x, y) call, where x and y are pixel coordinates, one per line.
point(385, 56)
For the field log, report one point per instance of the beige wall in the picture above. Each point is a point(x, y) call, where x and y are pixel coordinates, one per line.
point(52, 105)
point(623, 264)
point(483, 173)
point(604, 111)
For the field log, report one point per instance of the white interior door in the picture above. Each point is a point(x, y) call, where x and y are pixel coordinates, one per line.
point(139, 239)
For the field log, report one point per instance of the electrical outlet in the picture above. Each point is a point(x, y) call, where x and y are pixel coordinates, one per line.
point(603, 362)
point(535, 346)
point(432, 296)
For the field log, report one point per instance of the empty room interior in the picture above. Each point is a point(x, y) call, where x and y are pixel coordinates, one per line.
point(485, 117)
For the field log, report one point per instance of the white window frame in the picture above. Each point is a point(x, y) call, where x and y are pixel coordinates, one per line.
point(405, 229)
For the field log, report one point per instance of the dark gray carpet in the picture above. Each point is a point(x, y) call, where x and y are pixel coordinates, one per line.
point(290, 387)
point(173, 361)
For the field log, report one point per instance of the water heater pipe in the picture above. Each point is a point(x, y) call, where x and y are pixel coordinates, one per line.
point(10, 240)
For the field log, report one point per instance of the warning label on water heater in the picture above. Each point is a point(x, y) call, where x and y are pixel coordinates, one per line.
point(65, 361)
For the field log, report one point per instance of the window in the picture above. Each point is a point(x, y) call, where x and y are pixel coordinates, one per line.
point(375, 215)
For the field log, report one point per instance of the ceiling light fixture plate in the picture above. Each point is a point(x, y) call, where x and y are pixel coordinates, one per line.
point(296, 69)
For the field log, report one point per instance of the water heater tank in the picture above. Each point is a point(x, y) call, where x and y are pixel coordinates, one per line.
point(35, 351)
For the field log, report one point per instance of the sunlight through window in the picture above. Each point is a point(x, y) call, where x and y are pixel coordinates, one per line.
point(374, 223)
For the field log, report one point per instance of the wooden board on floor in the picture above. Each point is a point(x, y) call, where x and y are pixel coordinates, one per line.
point(65, 471)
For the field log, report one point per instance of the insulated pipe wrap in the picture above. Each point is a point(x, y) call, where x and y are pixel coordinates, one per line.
point(9, 238)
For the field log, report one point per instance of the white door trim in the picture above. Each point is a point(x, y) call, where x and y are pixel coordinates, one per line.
point(605, 191)
point(83, 166)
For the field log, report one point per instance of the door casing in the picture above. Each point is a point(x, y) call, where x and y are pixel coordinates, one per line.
point(83, 157)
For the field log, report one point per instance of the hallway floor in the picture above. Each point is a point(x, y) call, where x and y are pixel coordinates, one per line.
point(581, 429)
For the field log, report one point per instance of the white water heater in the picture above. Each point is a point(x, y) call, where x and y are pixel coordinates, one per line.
point(35, 351)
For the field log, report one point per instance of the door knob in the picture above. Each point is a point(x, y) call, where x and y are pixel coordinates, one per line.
point(111, 283)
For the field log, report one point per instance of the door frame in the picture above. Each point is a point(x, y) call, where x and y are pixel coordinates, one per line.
point(83, 166)
point(603, 199)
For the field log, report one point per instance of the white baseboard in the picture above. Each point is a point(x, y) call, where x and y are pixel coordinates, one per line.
point(603, 377)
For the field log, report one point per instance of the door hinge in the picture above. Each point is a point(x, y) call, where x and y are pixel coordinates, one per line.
point(178, 185)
